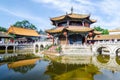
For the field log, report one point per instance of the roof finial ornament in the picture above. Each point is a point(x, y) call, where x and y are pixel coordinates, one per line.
point(66, 13)
point(71, 10)
point(89, 14)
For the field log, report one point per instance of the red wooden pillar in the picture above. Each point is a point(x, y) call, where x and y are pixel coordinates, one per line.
point(85, 40)
point(53, 39)
point(66, 39)
point(66, 36)
point(90, 34)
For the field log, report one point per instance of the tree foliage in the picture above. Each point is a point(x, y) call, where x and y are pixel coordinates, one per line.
point(41, 32)
point(104, 31)
point(3, 29)
point(25, 24)
point(98, 28)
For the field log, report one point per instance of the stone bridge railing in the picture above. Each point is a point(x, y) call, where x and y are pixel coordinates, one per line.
point(111, 46)
point(9, 44)
point(38, 44)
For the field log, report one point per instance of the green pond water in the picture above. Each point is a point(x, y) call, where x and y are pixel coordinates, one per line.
point(63, 68)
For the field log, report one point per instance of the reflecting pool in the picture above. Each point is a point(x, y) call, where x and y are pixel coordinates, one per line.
point(63, 68)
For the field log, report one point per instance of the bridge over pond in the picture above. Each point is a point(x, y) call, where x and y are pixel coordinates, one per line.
point(38, 45)
point(6, 46)
point(112, 48)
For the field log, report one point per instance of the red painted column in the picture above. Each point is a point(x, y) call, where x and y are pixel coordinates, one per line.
point(66, 39)
point(66, 36)
point(53, 40)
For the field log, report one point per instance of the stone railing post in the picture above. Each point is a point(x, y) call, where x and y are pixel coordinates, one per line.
point(34, 48)
point(6, 50)
point(14, 48)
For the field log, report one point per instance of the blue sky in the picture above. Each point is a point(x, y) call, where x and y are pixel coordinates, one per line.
point(39, 12)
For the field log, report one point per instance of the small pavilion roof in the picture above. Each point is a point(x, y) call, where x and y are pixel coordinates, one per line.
point(22, 31)
point(98, 32)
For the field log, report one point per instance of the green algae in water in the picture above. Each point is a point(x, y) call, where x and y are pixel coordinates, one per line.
point(103, 58)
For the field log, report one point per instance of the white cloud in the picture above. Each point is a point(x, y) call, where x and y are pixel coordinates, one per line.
point(65, 5)
point(24, 15)
point(111, 11)
point(20, 14)
point(106, 11)
point(110, 7)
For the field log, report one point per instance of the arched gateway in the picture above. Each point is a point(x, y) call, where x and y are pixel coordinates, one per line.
point(76, 39)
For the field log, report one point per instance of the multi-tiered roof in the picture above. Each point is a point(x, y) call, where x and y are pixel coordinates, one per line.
point(73, 16)
point(71, 22)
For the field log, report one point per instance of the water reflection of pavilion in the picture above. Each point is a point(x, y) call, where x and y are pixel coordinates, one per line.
point(23, 66)
point(82, 68)
point(111, 64)
point(61, 71)
point(22, 63)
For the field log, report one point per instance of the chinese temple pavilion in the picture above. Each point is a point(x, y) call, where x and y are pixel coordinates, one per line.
point(71, 28)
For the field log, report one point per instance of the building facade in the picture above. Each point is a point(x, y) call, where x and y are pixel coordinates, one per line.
point(22, 34)
point(71, 28)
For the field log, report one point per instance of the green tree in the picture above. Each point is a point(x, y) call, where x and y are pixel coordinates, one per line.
point(41, 32)
point(3, 29)
point(104, 31)
point(18, 24)
point(98, 28)
point(25, 24)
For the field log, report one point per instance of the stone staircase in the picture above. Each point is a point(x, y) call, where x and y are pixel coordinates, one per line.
point(76, 49)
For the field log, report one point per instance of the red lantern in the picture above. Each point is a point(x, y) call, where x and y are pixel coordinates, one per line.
point(90, 34)
point(64, 33)
point(48, 34)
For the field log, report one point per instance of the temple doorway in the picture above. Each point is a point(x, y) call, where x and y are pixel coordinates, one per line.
point(76, 39)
